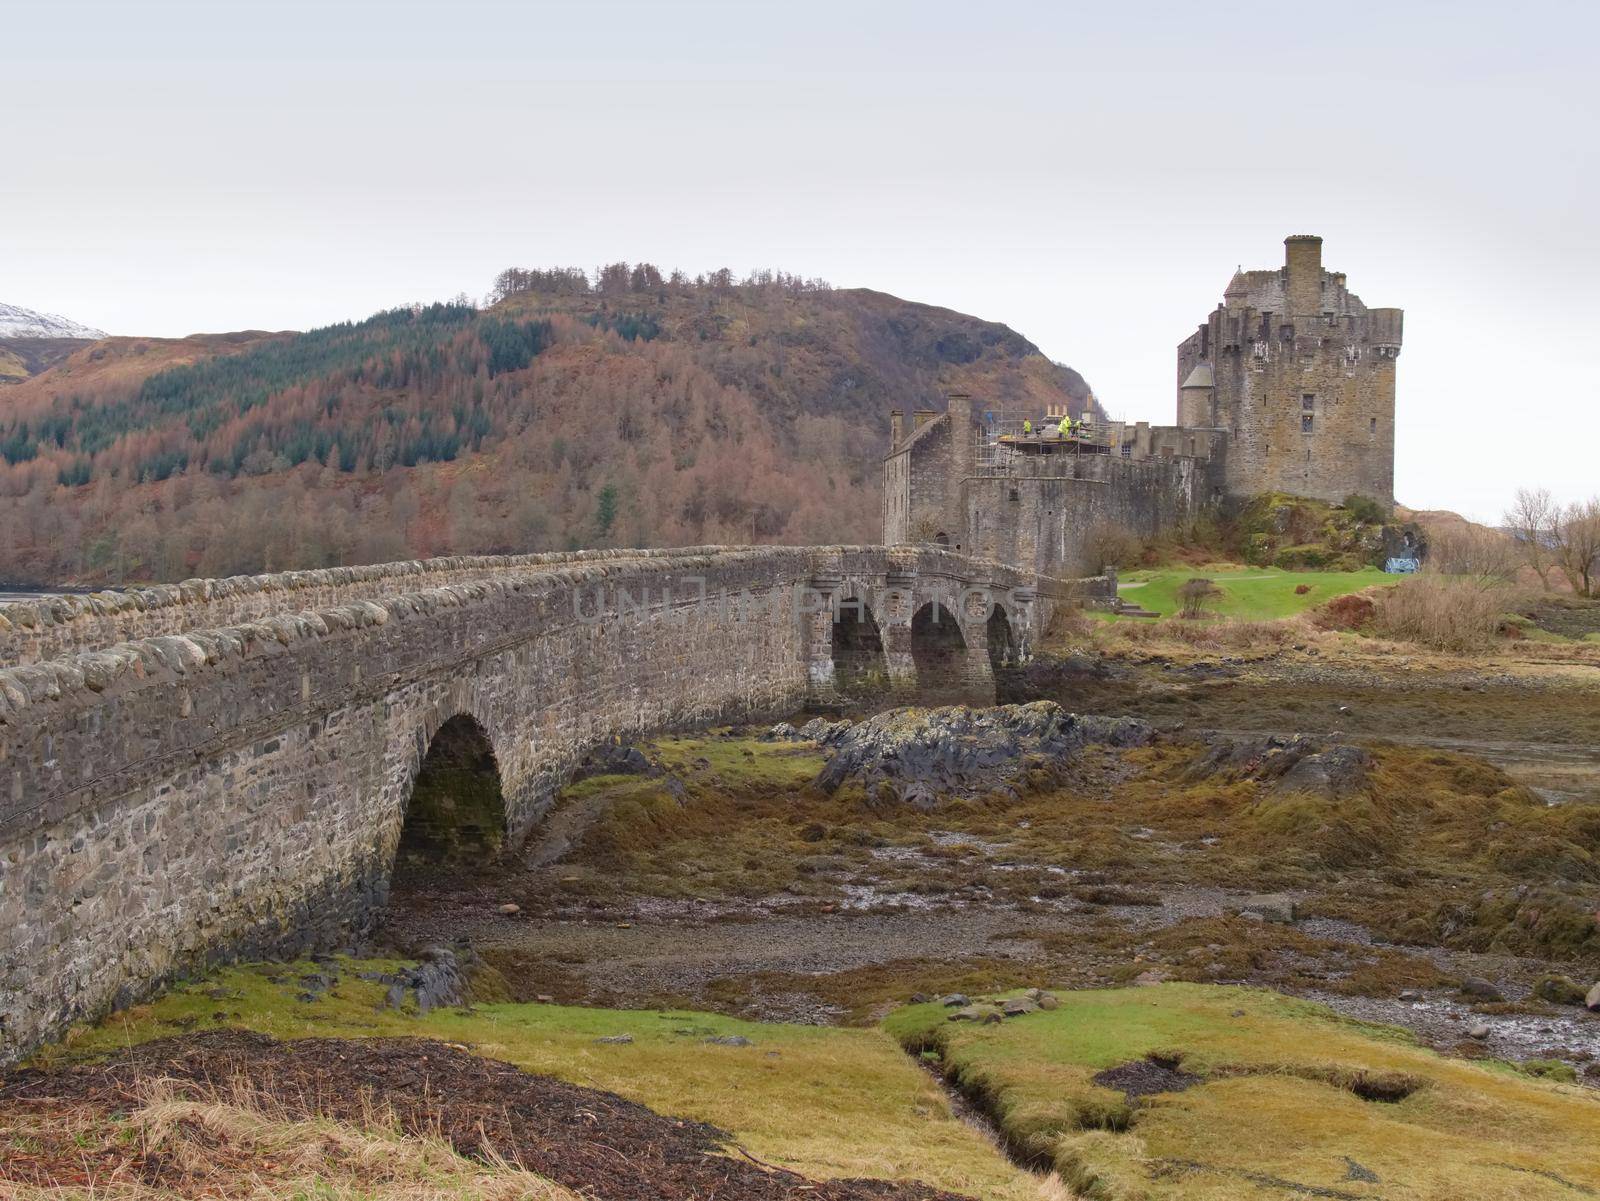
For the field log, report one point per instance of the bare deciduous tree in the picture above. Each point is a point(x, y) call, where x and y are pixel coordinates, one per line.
point(1577, 545)
point(1485, 556)
point(1532, 520)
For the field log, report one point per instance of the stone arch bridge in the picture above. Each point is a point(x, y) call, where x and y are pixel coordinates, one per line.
point(223, 767)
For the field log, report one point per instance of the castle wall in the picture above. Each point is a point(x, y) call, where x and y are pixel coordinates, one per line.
point(1350, 447)
point(1047, 519)
point(922, 488)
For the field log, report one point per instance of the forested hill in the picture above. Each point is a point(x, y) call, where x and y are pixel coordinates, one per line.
point(622, 408)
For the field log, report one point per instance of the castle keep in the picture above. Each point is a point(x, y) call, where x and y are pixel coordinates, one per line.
point(1288, 386)
point(1300, 376)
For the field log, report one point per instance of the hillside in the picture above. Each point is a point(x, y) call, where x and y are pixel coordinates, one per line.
point(31, 342)
point(628, 410)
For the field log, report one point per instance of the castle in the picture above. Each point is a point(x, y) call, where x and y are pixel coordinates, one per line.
point(1288, 386)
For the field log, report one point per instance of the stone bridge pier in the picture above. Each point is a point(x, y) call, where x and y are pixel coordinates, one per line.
point(901, 635)
point(226, 768)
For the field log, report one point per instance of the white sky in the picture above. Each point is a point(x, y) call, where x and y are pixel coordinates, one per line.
point(1089, 175)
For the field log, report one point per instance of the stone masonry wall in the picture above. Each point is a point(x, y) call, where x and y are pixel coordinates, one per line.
point(188, 797)
point(1046, 519)
point(58, 625)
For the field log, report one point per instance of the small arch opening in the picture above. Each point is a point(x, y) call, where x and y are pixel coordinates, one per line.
point(457, 812)
point(941, 539)
point(1002, 640)
point(859, 664)
point(937, 647)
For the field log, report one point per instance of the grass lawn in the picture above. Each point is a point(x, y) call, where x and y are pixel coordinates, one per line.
point(825, 1102)
point(1249, 593)
point(1290, 1100)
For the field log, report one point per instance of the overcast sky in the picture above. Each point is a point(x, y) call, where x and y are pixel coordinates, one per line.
point(1090, 175)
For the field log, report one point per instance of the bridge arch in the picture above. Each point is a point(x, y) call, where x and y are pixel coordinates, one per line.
point(938, 648)
point(1002, 638)
point(455, 809)
point(859, 661)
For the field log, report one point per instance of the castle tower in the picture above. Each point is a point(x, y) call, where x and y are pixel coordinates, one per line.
point(1301, 375)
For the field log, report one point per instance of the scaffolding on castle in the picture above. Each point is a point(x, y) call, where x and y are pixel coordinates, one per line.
point(1005, 437)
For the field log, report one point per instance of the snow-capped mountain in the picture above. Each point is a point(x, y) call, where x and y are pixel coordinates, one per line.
point(25, 323)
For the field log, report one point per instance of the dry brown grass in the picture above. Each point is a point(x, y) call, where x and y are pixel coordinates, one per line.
point(1445, 612)
point(1211, 635)
point(236, 1145)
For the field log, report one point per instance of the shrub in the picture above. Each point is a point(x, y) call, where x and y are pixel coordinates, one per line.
point(1195, 595)
point(1352, 612)
point(1301, 589)
point(1112, 545)
point(1447, 613)
point(1365, 509)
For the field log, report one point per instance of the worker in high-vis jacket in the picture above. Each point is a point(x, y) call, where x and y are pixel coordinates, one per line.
point(1027, 428)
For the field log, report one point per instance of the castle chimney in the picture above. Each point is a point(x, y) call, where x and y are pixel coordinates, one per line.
point(1303, 266)
point(897, 423)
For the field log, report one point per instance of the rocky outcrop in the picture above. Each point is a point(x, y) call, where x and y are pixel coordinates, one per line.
point(922, 756)
point(1292, 763)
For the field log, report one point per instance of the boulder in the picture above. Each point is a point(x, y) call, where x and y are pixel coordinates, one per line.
point(1480, 1031)
point(436, 980)
point(1336, 772)
point(729, 1040)
point(969, 1013)
point(954, 1000)
point(1047, 1003)
point(615, 759)
point(1559, 990)
point(919, 757)
point(1018, 1006)
point(1271, 907)
point(1290, 763)
point(615, 1040)
point(1592, 1001)
point(1481, 989)
point(510, 909)
point(828, 733)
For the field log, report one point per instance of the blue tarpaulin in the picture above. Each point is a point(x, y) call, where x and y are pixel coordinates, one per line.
point(1402, 565)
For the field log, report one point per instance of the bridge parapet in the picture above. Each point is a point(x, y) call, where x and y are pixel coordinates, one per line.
point(58, 625)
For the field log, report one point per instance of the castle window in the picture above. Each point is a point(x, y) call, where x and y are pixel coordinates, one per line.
point(1306, 422)
point(1308, 402)
point(1372, 425)
point(1127, 450)
point(1015, 495)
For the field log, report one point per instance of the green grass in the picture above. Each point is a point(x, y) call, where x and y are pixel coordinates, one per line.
point(1249, 593)
point(1282, 1099)
point(825, 1102)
